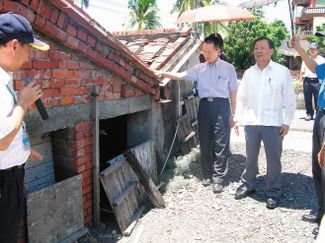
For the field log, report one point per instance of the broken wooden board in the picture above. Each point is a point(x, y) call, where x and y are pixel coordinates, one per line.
point(186, 134)
point(118, 181)
point(191, 103)
point(145, 153)
point(144, 178)
point(55, 213)
point(124, 192)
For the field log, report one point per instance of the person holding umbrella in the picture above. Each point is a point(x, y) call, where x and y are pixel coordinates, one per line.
point(318, 147)
point(216, 84)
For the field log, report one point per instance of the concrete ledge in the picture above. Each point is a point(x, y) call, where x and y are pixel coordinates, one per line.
point(68, 116)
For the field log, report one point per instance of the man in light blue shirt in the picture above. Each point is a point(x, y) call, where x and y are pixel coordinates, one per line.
point(216, 84)
point(318, 150)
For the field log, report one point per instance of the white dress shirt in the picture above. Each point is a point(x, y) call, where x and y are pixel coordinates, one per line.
point(307, 73)
point(266, 97)
point(17, 153)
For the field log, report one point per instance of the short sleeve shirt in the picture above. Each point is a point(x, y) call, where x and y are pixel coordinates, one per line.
point(213, 80)
point(16, 153)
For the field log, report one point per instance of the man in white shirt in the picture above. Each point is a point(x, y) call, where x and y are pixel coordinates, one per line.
point(265, 106)
point(16, 39)
point(310, 81)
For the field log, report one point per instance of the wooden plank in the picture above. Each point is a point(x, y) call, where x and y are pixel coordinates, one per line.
point(114, 184)
point(56, 212)
point(120, 198)
point(189, 136)
point(40, 171)
point(153, 192)
point(145, 153)
point(46, 150)
point(40, 183)
point(125, 196)
point(194, 123)
point(118, 162)
point(96, 168)
point(134, 220)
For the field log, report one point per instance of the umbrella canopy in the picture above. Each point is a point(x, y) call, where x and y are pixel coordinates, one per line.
point(287, 51)
point(215, 13)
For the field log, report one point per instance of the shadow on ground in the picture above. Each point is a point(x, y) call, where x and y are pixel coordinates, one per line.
point(296, 188)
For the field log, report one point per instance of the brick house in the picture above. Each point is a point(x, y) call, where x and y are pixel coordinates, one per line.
point(84, 55)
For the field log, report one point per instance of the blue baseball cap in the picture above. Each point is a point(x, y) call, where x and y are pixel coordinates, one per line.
point(15, 26)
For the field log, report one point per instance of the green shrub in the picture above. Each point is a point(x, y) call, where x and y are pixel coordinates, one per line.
point(297, 86)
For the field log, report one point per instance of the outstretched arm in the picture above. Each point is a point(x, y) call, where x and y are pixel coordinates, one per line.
point(309, 62)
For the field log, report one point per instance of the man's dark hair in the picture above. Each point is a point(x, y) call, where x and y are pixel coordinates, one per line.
point(269, 41)
point(214, 39)
point(3, 42)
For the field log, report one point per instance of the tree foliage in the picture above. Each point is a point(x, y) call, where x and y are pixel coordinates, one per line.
point(143, 14)
point(242, 34)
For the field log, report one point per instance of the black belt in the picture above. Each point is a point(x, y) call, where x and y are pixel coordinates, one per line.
point(313, 80)
point(14, 168)
point(213, 99)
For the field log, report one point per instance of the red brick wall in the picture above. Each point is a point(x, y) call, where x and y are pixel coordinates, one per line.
point(80, 56)
point(73, 37)
point(73, 154)
point(66, 78)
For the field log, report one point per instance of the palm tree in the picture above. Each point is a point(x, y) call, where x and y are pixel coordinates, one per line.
point(143, 14)
point(184, 5)
point(208, 28)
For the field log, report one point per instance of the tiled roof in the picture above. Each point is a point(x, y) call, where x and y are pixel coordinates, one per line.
point(155, 48)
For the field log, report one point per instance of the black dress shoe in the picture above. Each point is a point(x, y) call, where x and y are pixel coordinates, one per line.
point(206, 182)
point(272, 202)
point(312, 218)
point(217, 188)
point(243, 192)
point(315, 230)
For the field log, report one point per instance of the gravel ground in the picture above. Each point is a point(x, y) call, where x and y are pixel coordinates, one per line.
point(195, 214)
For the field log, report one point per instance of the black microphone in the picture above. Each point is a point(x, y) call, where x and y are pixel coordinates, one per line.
point(39, 104)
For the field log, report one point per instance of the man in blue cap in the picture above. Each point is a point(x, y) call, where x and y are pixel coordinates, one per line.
point(318, 148)
point(16, 39)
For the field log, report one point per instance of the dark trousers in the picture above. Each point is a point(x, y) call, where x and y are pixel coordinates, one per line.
point(213, 118)
point(11, 204)
point(318, 172)
point(311, 89)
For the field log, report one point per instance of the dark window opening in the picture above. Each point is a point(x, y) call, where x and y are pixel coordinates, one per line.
point(112, 139)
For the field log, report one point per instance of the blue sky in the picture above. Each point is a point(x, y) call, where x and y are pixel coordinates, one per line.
point(112, 14)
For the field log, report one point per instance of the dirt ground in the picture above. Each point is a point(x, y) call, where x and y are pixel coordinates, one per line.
point(194, 214)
